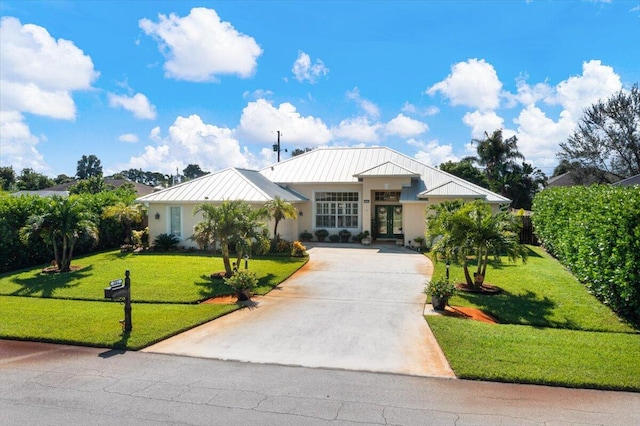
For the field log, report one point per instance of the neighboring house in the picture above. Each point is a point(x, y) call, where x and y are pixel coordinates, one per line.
point(569, 179)
point(630, 181)
point(360, 189)
point(140, 188)
point(41, 193)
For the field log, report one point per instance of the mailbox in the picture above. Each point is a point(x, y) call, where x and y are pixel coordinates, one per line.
point(121, 289)
point(116, 290)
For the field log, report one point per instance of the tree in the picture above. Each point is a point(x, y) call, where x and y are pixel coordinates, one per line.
point(280, 209)
point(89, 167)
point(7, 178)
point(473, 230)
point(32, 181)
point(607, 139)
point(466, 170)
point(126, 214)
point(91, 185)
point(299, 151)
point(227, 223)
point(63, 222)
point(62, 178)
point(193, 171)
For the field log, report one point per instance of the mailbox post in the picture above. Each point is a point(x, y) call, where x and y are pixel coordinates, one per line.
point(119, 290)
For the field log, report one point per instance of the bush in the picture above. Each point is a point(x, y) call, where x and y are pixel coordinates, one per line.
point(321, 234)
point(440, 287)
point(242, 282)
point(306, 236)
point(344, 234)
point(595, 232)
point(166, 242)
point(298, 250)
point(334, 238)
point(282, 246)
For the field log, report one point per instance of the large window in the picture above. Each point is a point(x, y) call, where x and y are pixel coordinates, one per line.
point(175, 221)
point(336, 209)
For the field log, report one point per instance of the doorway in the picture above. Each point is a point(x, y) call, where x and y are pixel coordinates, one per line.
point(388, 221)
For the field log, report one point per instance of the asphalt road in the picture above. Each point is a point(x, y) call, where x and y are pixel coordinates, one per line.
point(65, 385)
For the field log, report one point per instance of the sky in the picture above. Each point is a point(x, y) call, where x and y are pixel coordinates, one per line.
point(159, 85)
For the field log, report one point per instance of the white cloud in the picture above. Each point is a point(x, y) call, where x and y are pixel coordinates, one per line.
point(405, 127)
point(432, 153)
point(154, 134)
point(303, 69)
point(129, 138)
point(257, 94)
point(527, 94)
point(260, 120)
point(367, 106)
point(473, 83)
point(482, 122)
point(410, 108)
point(37, 75)
point(357, 129)
point(138, 104)
point(200, 46)
point(191, 141)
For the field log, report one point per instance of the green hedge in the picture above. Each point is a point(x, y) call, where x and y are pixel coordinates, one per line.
point(595, 232)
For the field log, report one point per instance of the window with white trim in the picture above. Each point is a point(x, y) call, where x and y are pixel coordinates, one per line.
point(337, 209)
point(175, 221)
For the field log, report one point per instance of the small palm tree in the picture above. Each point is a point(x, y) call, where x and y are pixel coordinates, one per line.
point(126, 214)
point(64, 220)
point(280, 209)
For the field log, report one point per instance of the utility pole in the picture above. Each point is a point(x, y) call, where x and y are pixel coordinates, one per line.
point(276, 147)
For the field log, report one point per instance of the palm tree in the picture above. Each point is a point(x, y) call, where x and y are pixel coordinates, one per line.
point(126, 214)
point(230, 222)
point(496, 154)
point(473, 230)
point(64, 220)
point(280, 209)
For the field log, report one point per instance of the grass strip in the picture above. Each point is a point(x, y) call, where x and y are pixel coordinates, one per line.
point(548, 356)
point(96, 323)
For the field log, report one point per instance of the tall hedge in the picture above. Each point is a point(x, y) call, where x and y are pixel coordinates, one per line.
point(595, 232)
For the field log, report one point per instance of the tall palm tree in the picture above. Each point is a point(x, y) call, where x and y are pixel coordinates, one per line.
point(64, 220)
point(496, 155)
point(126, 214)
point(280, 209)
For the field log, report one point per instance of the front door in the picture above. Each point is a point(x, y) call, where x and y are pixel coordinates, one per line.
point(388, 221)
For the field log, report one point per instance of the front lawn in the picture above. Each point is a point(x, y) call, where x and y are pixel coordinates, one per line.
point(552, 331)
point(165, 289)
point(165, 278)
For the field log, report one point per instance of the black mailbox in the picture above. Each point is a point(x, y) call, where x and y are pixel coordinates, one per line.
point(121, 289)
point(116, 289)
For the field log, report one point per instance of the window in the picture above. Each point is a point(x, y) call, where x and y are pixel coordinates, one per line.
point(175, 221)
point(337, 209)
point(387, 196)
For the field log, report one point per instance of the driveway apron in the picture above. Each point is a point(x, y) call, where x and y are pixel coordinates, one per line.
point(352, 308)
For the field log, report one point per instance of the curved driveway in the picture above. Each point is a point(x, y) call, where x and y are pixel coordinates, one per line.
point(351, 307)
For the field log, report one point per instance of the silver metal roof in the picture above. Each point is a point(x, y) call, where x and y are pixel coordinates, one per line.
point(344, 165)
point(389, 169)
point(227, 184)
point(451, 189)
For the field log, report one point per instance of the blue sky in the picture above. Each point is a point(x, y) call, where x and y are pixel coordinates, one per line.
point(158, 85)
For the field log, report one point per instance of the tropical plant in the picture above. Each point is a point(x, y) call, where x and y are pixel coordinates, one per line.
point(321, 234)
point(280, 209)
point(166, 242)
point(242, 281)
point(126, 214)
point(344, 234)
point(88, 167)
point(440, 287)
point(473, 230)
point(298, 249)
point(62, 223)
point(306, 236)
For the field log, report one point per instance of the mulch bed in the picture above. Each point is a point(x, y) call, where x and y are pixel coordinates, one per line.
point(469, 313)
point(487, 289)
point(221, 300)
point(55, 270)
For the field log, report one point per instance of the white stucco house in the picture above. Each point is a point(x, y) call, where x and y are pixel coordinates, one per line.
point(333, 188)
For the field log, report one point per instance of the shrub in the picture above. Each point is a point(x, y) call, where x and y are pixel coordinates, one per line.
point(595, 232)
point(283, 246)
point(262, 245)
point(306, 236)
point(242, 282)
point(344, 234)
point(321, 234)
point(166, 242)
point(140, 238)
point(298, 250)
point(440, 287)
point(334, 238)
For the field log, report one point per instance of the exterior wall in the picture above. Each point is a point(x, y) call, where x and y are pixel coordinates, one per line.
point(414, 215)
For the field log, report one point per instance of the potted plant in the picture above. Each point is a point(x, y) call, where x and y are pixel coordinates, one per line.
point(242, 281)
point(306, 236)
point(321, 234)
point(365, 238)
point(440, 290)
point(344, 235)
point(334, 238)
point(419, 242)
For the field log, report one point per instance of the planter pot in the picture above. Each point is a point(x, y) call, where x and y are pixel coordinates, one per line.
point(439, 303)
point(366, 241)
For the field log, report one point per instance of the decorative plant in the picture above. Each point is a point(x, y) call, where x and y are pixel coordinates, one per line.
point(166, 242)
point(242, 281)
point(321, 234)
point(344, 234)
point(440, 287)
point(306, 235)
point(334, 238)
point(298, 250)
point(419, 241)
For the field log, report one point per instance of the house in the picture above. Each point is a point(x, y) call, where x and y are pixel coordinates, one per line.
point(630, 181)
point(372, 189)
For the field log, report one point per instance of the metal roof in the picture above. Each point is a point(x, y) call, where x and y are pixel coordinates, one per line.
point(451, 189)
point(227, 184)
point(389, 169)
point(344, 165)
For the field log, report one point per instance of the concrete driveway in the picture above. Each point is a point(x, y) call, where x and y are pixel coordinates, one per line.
point(351, 307)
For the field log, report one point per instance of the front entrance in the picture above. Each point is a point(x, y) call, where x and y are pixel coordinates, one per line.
point(388, 221)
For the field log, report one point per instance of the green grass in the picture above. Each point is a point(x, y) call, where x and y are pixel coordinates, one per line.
point(552, 331)
point(97, 323)
point(165, 289)
point(165, 278)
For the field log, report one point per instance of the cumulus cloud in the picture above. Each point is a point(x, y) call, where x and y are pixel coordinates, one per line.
point(432, 153)
point(199, 47)
point(304, 70)
point(482, 122)
point(37, 76)
point(405, 127)
point(260, 119)
point(138, 104)
point(357, 129)
point(129, 138)
point(367, 106)
point(191, 141)
point(473, 83)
